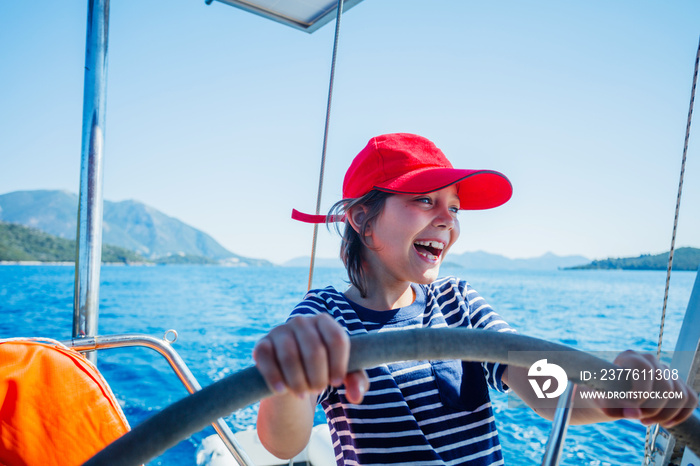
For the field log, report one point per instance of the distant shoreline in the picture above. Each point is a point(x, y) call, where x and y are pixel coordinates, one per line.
point(135, 264)
point(72, 264)
point(448, 266)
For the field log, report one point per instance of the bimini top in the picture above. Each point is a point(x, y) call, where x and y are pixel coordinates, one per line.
point(306, 15)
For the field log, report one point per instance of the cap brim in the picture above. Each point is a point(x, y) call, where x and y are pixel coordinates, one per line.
point(477, 189)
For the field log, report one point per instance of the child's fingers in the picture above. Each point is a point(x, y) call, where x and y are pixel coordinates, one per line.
point(663, 416)
point(661, 402)
point(356, 385)
point(312, 352)
point(286, 359)
point(662, 409)
point(304, 355)
point(264, 356)
point(682, 415)
point(676, 410)
point(337, 345)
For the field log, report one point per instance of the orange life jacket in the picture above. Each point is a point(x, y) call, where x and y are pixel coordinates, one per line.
point(55, 407)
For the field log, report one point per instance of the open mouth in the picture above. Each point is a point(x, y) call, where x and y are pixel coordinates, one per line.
point(431, 250)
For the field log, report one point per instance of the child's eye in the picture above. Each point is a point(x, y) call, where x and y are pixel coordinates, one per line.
point(454, 209)
point(424, 200)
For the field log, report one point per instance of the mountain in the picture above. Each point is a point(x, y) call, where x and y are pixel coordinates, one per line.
point(478, 260)
point(20, 243)
point(683, 259)
point(128, 224)
point(304, 261)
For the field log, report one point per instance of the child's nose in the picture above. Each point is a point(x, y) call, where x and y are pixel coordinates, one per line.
point(445, 218)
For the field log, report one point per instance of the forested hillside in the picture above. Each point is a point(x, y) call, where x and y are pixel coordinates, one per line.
point(683, 259)
point(20, 243)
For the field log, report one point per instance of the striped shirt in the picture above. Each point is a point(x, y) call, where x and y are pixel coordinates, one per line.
point(416, 412)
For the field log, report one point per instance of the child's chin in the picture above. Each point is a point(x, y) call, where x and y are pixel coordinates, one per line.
point(430, 276)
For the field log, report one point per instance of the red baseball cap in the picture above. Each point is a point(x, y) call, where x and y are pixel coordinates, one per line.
point(410, 164)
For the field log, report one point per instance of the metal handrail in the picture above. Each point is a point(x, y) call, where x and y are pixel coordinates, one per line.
point(164, 348)
point(555, 443)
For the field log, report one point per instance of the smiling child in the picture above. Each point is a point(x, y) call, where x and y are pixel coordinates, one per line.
point(401, 199)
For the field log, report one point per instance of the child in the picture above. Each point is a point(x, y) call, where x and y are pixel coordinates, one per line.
point(401, 198)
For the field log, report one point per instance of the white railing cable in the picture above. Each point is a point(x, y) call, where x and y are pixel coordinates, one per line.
point(649, 441)
point(325, 140)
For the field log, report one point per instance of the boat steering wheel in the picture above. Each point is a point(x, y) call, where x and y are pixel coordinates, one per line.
point(193, 413)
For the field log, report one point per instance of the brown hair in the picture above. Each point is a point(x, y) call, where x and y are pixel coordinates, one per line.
point(353, 242)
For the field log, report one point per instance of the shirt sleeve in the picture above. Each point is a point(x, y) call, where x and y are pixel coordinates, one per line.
point(482, 316)
point(311, 305)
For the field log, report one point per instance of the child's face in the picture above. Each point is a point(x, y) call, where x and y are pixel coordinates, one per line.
point(411, 236)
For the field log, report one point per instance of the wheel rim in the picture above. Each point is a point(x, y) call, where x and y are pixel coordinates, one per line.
point(191, 414)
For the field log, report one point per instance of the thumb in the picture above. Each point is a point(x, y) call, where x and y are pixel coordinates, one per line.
point(356, 385)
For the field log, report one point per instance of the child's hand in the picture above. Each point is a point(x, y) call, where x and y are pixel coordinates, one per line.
point(665, 411)
point(307, 354)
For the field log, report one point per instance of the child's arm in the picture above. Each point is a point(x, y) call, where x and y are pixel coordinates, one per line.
point(299, 360)
point(667, 412)
point(285, 422)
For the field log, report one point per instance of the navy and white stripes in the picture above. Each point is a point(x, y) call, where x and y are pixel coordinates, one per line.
point(416, 412)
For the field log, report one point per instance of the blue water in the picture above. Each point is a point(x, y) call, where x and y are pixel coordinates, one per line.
point(221, 312)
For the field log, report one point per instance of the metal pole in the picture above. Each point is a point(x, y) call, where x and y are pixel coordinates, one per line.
point(555, 443)
point(89, 234)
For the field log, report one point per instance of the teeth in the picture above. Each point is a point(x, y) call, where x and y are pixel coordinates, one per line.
point(431, 244)
point(429, 256)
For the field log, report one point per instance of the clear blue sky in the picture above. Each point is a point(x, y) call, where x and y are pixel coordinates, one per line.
point(215, 116)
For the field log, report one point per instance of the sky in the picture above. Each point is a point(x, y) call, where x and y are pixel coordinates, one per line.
point(216, 116)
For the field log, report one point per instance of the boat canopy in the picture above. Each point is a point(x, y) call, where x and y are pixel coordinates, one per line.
point(305, 15)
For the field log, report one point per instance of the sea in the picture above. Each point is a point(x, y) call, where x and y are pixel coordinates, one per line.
point(220, 312)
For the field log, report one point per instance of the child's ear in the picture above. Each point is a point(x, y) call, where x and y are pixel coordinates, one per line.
point(356, 216)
